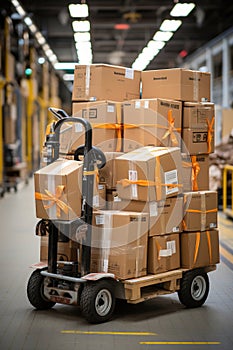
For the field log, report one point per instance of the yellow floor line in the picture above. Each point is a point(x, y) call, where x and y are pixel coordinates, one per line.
point(107, 333)
point(180, 343)
point(226, 254)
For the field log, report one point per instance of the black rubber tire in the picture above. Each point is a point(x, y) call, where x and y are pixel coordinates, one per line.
point(35, 292)
point(96, 295)
point(194, 288)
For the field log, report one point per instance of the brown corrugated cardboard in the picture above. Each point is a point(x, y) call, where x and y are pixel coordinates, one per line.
point(105, 82)
point(58, 190)
point(119, 243)
point(163, 253)
point(164, 216)
point(149, 173)
point(105, 119)
point(196, 115)
point(66, 251)
point(107, 173)
point(200, 211)
point(199, 249)
point(198, 141)
point(195, 171)
point(227, 121)
point(154, 122)
point(176, 83)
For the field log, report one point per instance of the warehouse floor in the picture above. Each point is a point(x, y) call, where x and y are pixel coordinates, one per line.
point(161, 323)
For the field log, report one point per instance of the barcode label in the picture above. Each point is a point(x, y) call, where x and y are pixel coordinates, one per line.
point(165, 252)
point(78, 127)
point(153, 206)
point(129, 73)
point(99, 219)
point(172, 246)
point(137, 104)
point(111, 108)
point(171, 178)
point(133, 176)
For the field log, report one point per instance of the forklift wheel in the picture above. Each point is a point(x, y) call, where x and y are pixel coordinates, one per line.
point(194, 288)
point(35, 292)
point(97, 301)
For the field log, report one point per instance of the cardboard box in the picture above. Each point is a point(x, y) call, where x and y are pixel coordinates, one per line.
point(163, 253)
point(154, 122)
point(165, 216)
point(71, 137)
point(97, 82)
point(107, 173)
point(197, 115)
point(61, 180)
point(195, 172)
point(119, 243)
point(66, 251)
point(176, 83)
point(198, 141)
point(105, 118)
point(199, 249)
point(149, 173)
point(200, 211)
point(227, 121)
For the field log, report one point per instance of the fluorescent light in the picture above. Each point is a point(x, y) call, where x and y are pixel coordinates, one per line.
point(41, 60)
point(49, 52)
point(83, 45)
point(41, 40)
point(82, 37)
point(15, 2)
point(68, 77)
point(170, 25)
point(182, 9)
point(45, 47)
point(53, 58)
point(78, 10)
point(28, 21)
point(20, 11)
point(162, 36)
point(64, 65)
point(81, 26)
point(33, 28)
point(156, 45)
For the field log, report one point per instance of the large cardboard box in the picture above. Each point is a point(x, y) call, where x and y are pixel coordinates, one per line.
point(58, 189)
point(107, 173)
point(119, 243)
point(197, 115)
point(149, 173)
point(105, 82)
point(66, 251)
point(198, 141)
point(105, 118)
point(176, 83)
point(199, 249)
point(195, 172)
point(163, 253)
point(154, 122)
point(165, 216)
point(200, 211)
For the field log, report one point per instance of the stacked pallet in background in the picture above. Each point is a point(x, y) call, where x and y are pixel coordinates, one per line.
point(156, 176)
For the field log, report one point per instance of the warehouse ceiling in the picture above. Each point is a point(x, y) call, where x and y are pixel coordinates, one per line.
point(121, 47)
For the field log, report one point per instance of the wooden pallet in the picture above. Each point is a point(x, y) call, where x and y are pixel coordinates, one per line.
point(150, 286)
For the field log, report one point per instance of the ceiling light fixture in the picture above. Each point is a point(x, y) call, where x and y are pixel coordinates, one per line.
point(64, 65)
point(170, 25)
point(157, 45)
point(162, 36)
point(85, 36)
point(182, 9)
point(81, 26)
point(78, 10)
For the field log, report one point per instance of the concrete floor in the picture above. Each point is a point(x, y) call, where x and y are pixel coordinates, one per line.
point(161, 323)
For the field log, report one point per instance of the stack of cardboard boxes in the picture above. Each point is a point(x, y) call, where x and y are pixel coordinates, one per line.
point(158, 213)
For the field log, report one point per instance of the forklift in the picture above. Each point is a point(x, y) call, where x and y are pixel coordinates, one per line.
point(71, 282)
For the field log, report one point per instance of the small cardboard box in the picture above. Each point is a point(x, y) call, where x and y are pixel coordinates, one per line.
point(97, 82)
point(149, 173)
point(198, 141)
point(105, 118)
point(163, 253)
point(154, 122)
point(176, 83)
point(200, 211)
point(119, 243)
point(58, 189)
point(195, 171)
point(165, 216)
point(199, 249)
point(66, 251)
point(107, 173)
point(197, 115)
